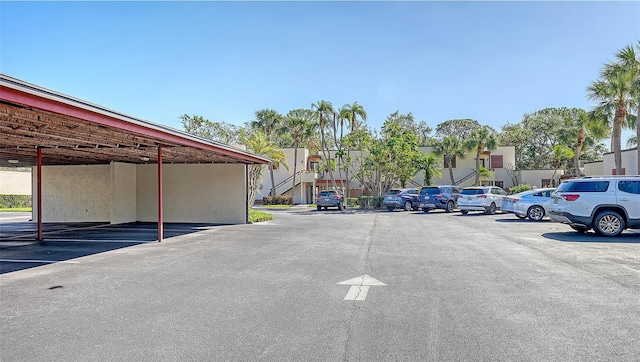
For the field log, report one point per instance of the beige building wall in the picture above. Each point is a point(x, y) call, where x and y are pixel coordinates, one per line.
point(206, 193)
point(74, 193)
point(535, 177)
point(123, 193)
point(629, 162)
point(15, 183)
point(593, 168)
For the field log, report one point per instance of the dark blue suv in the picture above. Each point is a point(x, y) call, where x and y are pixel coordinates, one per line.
point(439, 197)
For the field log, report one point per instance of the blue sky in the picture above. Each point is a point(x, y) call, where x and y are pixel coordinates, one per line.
point(490, 61)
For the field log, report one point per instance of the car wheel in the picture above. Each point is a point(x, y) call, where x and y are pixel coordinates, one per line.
point(389, 208)
point(608, 223)
point(535, 213)
point(464, 212)
point(319, 208)
point(407, 205)
point(425, 210)
point(491, 210)
point(450, 206)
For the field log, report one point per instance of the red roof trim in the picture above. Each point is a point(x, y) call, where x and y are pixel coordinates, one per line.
point(35, 101)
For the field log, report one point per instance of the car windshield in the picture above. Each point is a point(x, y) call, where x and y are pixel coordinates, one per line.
point(393, 192)
point(430, 191)
point(326, 193)
point(472, 191)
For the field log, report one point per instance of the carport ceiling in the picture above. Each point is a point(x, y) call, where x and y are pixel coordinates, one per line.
point(72, 132)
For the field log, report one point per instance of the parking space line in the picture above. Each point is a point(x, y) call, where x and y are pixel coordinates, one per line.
point(37, 261)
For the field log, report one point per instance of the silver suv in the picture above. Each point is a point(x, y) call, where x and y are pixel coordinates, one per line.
point(608, 204)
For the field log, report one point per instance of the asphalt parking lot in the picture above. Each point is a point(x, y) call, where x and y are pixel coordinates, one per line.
point(332, 286)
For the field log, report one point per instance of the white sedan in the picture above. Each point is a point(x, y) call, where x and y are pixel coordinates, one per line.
point(533, 204)
point(481, 198)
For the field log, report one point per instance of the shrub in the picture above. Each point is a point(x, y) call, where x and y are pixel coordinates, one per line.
point(277, 200)
point(14, 201)
point(258, 216)
point(352, 202)
point(520, 188)
point(370, 202)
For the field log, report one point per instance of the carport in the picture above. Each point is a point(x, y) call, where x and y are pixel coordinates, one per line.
point(62, 137)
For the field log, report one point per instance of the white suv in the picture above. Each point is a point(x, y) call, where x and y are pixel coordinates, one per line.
point(480, 198)
point(608, 204)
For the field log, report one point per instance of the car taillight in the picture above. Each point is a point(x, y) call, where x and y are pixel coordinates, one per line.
point(482, 196)
point(515, 200)
point(570, 197)
point(336, 197)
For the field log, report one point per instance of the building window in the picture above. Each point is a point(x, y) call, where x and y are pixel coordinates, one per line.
point(453, 162)
point(313, 166)
point(546, 182)
point(500, 184)
point(496, 161)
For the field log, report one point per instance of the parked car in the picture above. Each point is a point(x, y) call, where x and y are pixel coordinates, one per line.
point(439, 197)
point(532, 204)
point(329, 198)
point(406, 199)
point(481, 198)
point(608, 204)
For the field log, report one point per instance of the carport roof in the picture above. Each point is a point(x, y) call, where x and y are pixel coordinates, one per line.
point(71, 131)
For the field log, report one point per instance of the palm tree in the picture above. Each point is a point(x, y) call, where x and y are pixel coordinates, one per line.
point(258, 143)
point(614, 92)
point(559, 153)
point(431, 166)
point(352, 112)
point(481, 139)
point(629, 59)
point(270, 121)
point(324, 110)
point(584, 128)
point(349, 113)
point(300, 124)
point(450, 147)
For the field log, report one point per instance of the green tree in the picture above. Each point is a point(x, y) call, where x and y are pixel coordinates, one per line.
point(269, 121)
point(222, 132)
point(560, 153)
point(614, 93)
point(629, 60)
point(430, 165)
point(460, 128)
point(300, 124)
point(586, 129)
point(258, 143)
point(481, 139)
point(450, 147)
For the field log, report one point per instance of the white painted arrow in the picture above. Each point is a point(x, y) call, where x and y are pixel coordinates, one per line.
point(360, 287)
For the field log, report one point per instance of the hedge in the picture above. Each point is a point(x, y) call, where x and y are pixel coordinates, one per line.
point(277, 200)
point(14, 201)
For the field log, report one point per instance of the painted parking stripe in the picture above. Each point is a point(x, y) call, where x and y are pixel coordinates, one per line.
point(37, 261)
point(357, 292)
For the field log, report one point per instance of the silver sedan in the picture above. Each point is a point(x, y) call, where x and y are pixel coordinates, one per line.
point(532, 204)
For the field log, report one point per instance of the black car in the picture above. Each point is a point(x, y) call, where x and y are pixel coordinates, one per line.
point(439, 197)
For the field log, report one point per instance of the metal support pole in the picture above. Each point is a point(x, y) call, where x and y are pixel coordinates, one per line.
point(160, 206)
point(39, 191)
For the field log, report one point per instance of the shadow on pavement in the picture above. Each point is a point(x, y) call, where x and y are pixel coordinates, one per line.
point(65, 241)
point(627, 237)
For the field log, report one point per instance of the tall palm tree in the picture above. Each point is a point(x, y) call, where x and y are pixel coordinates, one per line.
point(629, 59)
point(481, 139)
point(430, 165)
point(614, 92)
point(324, 110)
point(300, 124)
point(270, 121)
point(258, 143)
point(450, 147)
point(353, 112)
